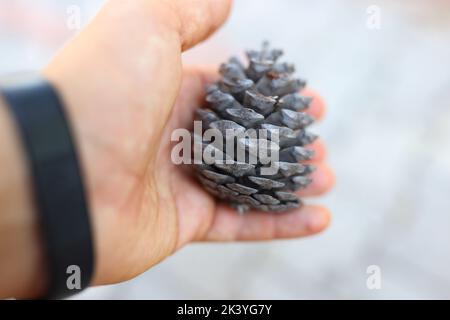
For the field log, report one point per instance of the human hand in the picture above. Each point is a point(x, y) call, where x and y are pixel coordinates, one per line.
point(126, 91)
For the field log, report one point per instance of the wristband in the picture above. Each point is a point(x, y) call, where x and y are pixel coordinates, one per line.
point(57, 182)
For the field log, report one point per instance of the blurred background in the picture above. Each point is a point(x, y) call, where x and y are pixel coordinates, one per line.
point(383, 68)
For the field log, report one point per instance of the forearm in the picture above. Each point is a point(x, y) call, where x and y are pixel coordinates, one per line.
point(21, 255)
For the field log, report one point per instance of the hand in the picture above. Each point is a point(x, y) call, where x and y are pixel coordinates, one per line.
point(126, 91)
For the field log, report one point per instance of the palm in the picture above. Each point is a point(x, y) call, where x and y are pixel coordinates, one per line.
point(194, 208)
point(164, 207)
point(154, 203)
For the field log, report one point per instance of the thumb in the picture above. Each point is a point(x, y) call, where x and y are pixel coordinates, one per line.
point(197, 19)
point(126, 47)
point(191, 20)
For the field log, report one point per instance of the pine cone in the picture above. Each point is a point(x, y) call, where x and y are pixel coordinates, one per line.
point(262, 96)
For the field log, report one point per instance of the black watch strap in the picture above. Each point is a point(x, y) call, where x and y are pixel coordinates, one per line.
point(57, 180)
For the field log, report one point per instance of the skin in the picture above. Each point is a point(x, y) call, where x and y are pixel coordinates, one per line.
point(125, 91)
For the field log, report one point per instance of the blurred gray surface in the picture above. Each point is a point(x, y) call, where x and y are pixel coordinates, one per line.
point(387, 127)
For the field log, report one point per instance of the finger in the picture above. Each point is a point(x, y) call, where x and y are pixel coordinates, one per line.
point(319, 149)
point(195, 20)
point(322, 181)
point(317, 107)
point(228, 225)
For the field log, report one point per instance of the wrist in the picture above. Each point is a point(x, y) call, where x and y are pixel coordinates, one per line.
point(22, 267)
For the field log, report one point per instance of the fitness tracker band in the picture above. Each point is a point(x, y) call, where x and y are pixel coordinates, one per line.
point(59, 193)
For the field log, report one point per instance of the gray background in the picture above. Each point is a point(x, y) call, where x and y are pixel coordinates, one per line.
point(388, 123)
